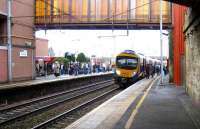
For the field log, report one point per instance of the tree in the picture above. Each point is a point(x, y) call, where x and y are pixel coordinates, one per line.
point(70, 57)
point(61, 60)
point(82, 58)
point(87, 59)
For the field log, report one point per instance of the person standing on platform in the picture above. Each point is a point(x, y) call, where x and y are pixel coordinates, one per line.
point(62, 69)
point(153, 69)
point(147, 71)
point(57, 69)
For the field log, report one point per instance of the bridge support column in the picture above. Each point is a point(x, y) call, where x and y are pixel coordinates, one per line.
point(178, 43)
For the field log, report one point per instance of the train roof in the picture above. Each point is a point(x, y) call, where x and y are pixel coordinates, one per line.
point(131, 52)
point(128, 52)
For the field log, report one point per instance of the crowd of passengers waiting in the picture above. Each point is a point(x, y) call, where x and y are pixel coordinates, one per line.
point(71, 69)
point(151, 70)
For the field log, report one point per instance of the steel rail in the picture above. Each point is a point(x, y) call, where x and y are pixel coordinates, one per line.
point(24, 103)
point(54, 119)
point(42, 108)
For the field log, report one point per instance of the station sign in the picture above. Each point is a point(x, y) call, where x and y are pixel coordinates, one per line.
point(3, 48)
point(23, 53)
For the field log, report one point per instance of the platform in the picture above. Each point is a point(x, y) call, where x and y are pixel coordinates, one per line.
point(46, 79)
point(144, 105)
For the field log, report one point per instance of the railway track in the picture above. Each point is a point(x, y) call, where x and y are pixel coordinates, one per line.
point(17, 111)
point(57, 120)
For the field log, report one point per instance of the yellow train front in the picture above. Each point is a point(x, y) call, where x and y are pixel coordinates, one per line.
point(129, 68)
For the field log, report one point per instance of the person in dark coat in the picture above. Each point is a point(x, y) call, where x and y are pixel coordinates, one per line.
point(153, 70)
point(147, 71)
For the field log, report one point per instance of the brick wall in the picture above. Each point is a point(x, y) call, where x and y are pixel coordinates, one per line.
point(22, 66)
point(3, 65)
point(192, 40)
point(23, 38)
point(41, 47)
point(3, 6)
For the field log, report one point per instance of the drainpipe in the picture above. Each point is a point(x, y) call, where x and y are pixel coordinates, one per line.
point(9, 36)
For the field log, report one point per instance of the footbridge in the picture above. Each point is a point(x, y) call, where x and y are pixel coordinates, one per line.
point(105, 14)
point(101, 14)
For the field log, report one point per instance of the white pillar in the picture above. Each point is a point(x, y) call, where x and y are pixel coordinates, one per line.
point(161, 42)
point(9, 36)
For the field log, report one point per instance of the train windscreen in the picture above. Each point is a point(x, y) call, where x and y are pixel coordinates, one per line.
point(126, 62)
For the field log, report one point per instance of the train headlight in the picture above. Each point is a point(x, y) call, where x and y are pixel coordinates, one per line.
point(134, 73)
point(118, 72)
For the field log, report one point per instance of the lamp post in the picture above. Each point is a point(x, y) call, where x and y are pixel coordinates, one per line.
point(161, 42)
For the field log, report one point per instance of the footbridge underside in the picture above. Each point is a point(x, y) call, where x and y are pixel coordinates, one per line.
point(101, 14)
point(188, 3)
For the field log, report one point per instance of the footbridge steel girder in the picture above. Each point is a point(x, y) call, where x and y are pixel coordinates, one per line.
point(188, 3)
point(101, 14)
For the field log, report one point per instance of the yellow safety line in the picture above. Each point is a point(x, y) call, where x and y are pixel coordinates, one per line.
point(135, 111)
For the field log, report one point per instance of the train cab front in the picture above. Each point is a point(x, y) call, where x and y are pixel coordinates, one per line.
point(126, 70)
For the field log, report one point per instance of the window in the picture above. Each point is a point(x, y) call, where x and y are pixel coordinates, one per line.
point(126, 62)
point(2, 31)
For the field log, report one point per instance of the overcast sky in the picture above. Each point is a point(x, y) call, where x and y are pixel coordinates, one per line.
point(102, 42)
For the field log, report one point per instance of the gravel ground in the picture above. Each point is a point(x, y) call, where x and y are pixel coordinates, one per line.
point(76, 115)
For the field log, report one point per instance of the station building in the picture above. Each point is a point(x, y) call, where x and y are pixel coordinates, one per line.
point(23, 40)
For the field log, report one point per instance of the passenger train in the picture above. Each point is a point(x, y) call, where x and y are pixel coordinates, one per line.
point(130, 66)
